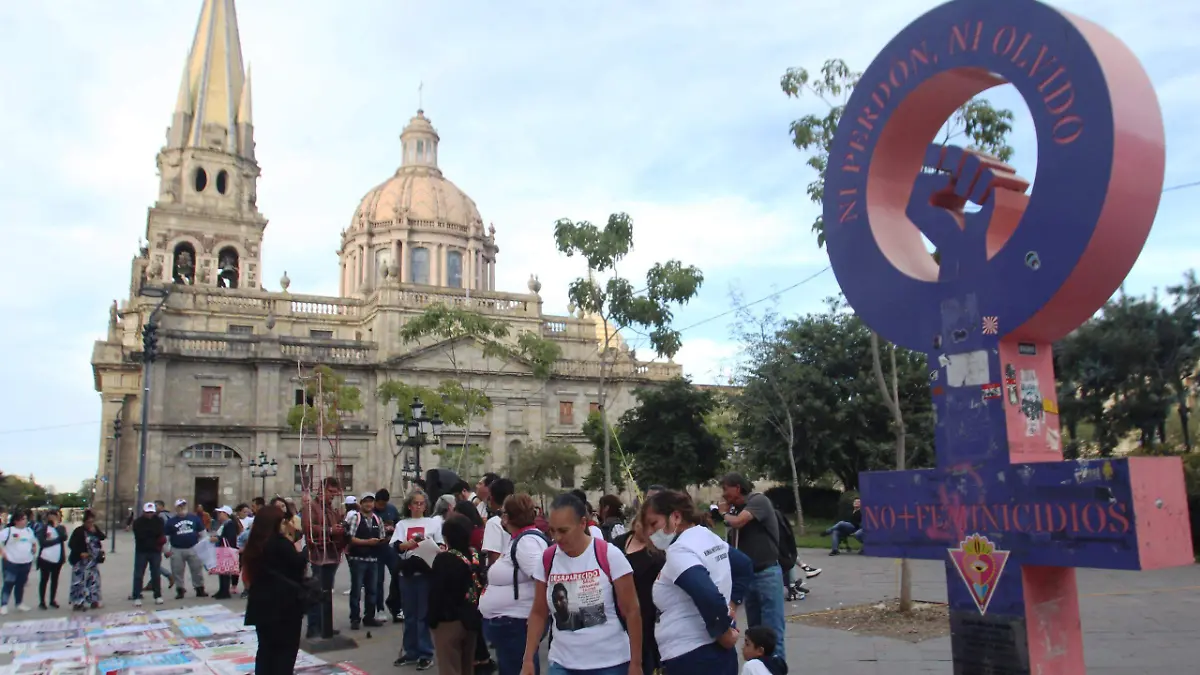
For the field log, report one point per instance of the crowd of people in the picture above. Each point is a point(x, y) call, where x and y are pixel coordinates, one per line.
point(480, 577)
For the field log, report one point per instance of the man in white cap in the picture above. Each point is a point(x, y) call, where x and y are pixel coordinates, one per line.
point(148, 537)
point(184, 530)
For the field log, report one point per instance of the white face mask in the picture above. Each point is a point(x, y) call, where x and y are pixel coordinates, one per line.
point(661, 538)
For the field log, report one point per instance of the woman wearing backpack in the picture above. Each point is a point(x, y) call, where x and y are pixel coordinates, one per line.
point(693, 593)
point(454, 580)
point(589, 584)
point(508, 600)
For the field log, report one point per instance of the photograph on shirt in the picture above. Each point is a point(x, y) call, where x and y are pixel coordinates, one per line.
point(578, 600)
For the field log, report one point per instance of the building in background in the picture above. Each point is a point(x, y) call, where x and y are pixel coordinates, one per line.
point(232, 355)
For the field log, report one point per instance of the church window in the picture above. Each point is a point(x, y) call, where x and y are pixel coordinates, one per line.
point(593, 408)
point(303, 477)
point(420, 266)
point(420, 149)
point(303, 398)
point(209, 452)
point(381, 265)
point(227, 268)
point(566, 476)
point(345, 476)
point(183, 267)
point(454, 269)
point(210, 400)
point(200, 179)
point(566, 412)
point(222, 181)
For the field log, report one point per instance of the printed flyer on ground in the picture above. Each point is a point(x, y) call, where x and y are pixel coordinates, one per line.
point(205, 640)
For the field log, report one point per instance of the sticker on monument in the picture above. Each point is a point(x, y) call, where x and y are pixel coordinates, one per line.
point(1026, 349)
point(991, 325)
point(968, 370)
point(991, 391)
point(1031, 402)
point(980, 565)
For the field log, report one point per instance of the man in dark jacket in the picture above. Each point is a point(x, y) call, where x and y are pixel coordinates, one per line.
point(148, 538)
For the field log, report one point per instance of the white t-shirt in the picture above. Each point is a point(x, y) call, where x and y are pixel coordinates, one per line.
point(495, 538)
point(755, 667)
point(52, 551)
point(408, 528)
point(587, 632)
point(596, 532)
point(497, 600)
point(680, 628)
point(247, 522)
point(19, 544)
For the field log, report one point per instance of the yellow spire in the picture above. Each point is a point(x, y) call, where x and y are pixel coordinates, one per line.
point(245, 114)
point(215, 81)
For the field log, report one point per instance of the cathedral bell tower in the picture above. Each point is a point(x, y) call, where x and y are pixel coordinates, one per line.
point(205, 228)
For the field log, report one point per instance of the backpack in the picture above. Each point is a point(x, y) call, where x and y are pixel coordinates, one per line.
point(601, 550)
point(512, 554)
point(478, 583)
point(786, 544)
point(612, 528)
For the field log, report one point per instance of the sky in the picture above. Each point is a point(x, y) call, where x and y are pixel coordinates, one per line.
point(670, 111)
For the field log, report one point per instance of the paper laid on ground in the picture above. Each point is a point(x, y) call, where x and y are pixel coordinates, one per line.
point(205, 640)
point(427, 550)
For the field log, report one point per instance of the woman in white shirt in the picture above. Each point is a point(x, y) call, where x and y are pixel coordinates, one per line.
point(52, 540)
point(695, 628)
point(508, 599)
point(589, 583)
point(413, 528)
point(18, 545)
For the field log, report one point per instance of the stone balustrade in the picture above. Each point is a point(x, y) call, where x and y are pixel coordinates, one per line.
point(199, 344)
point(642, 370)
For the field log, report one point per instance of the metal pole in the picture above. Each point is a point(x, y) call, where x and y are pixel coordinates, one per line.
point(108, 504)
point(147, 362)
point(263, 494)
point(112, 485)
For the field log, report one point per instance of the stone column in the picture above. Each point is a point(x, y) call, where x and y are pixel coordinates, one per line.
point(492, 275)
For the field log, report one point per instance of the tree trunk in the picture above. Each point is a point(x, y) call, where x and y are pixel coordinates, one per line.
point(891, 397)
point(795, 476)
point(1183, 421)
point(608, 484)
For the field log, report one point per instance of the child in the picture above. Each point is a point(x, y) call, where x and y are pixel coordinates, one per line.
point(759, 651)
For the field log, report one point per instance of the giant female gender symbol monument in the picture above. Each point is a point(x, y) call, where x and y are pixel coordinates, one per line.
point(1010, 519)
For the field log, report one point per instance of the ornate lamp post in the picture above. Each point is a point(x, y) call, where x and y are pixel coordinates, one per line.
point(263, 469)
point(416, 432)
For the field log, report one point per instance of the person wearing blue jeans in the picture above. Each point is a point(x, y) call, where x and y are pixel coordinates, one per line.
point(556, 669)
point(754, 530)
point(506, 634)
point(414, 597)
point(366, 534)
point(851, 527)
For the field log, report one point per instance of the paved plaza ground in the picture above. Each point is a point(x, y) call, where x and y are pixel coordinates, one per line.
point(1143, 623)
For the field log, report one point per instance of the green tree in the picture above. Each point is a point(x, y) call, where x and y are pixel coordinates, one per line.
point(448, 401)
point(21, 493)
point(461, 334)
point(593, 430)
point(985, 127)
point(328, 401)
point(667, 436)
point(616, 304)
point(539, 469)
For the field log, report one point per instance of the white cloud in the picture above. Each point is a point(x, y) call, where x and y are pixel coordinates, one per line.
point(670, 111)
point(708, 361)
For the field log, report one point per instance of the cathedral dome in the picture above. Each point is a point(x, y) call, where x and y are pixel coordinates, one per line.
point(417, 227)
point(418, 191)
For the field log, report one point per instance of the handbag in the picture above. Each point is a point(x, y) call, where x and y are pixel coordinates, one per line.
point(229, 562)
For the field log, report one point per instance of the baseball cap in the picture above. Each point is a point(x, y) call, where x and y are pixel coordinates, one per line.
point(180, 502)
point(149, 507)
point(226, 510)
point(366, 496)
point(351, 499)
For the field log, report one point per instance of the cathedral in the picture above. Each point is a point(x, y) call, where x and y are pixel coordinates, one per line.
point(233, 358)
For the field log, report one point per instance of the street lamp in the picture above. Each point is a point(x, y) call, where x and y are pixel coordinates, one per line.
point(416, 432)
point(149, 354)
point(264, 470)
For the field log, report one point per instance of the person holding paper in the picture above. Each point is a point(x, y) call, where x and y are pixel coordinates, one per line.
point(416, 539)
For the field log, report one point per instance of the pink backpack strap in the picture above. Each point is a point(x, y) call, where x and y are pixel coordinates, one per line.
point(602, 557)
point(548, 558)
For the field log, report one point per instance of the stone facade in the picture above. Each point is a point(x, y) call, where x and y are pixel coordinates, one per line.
point(232, 355)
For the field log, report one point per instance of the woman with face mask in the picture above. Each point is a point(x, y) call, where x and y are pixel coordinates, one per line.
point(695, 631)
